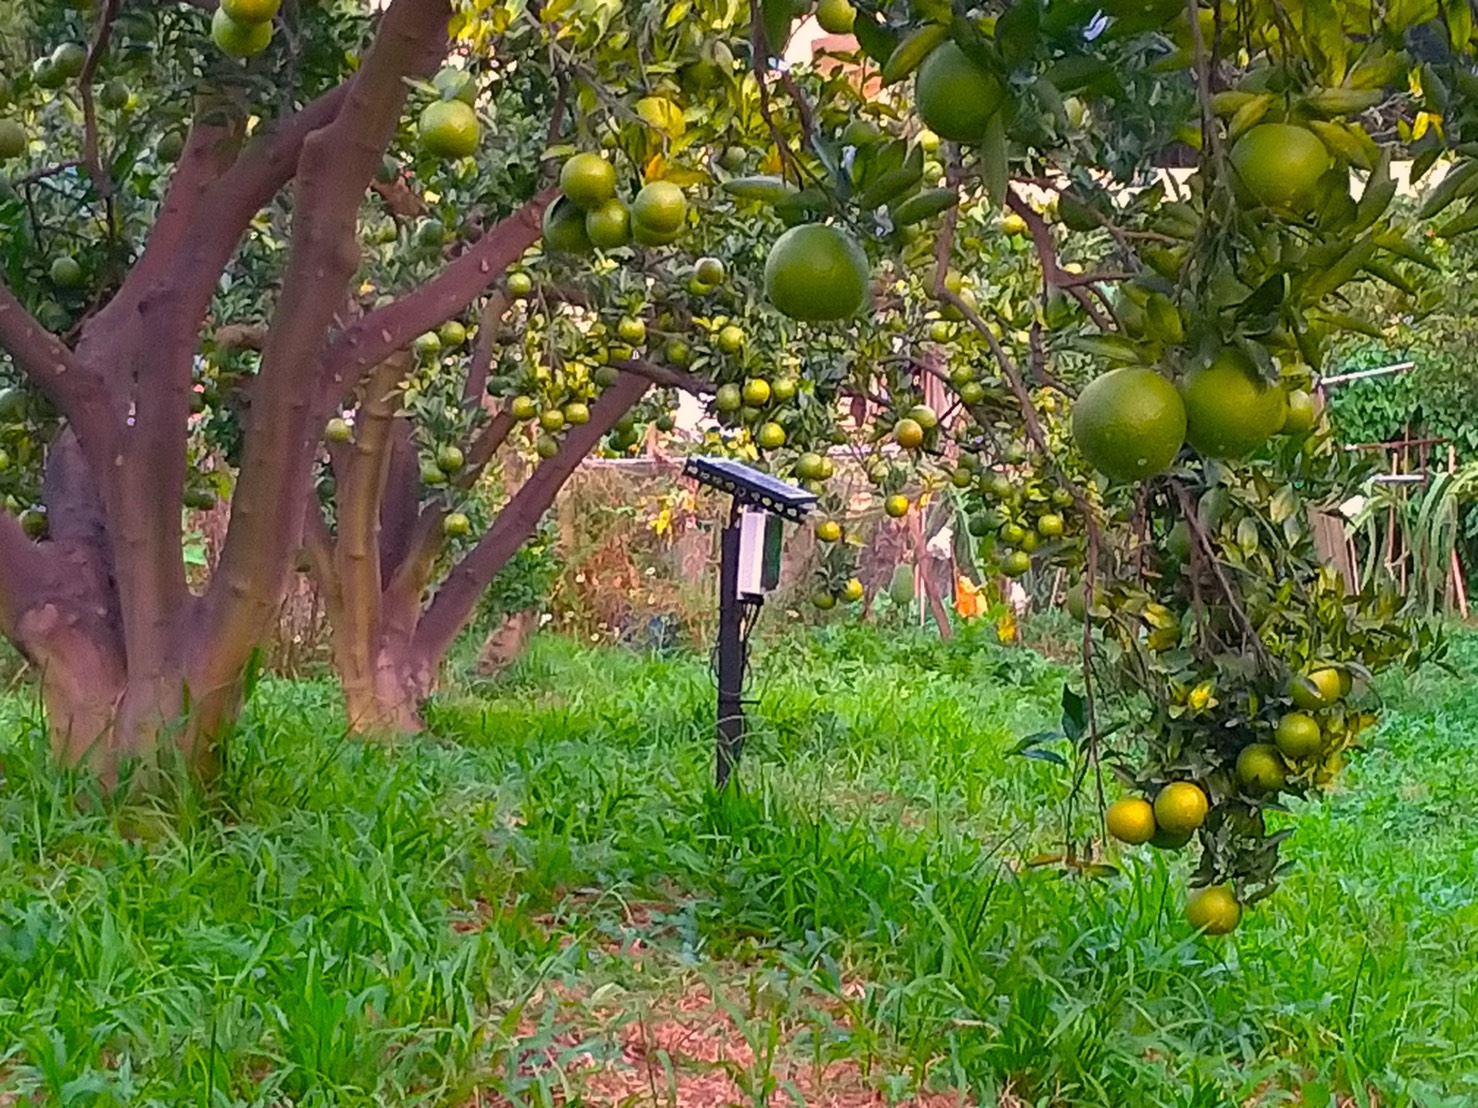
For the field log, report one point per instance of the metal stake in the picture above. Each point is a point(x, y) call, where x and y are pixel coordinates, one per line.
point(730, 654)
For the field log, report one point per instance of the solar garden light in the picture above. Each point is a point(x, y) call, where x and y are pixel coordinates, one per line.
point(749, 567)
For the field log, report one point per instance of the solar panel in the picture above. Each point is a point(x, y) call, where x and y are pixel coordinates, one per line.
point(751, 487)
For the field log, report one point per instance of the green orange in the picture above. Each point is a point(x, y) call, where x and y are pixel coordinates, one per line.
point(817, 272)
point(1230, 410)
point(1129, 423)
point(449, 129)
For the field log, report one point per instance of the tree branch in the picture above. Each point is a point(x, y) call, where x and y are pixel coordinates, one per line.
point(401, 503)
point(489, 328)
point(101, 182)
point(1053, 275)
point(667, 378)
point(74, 388)
point(334, 171)
point(318, 544)
point(453, 604)
point(488, 440)
point(187, 252)
point(374, 337)
point(360, 496)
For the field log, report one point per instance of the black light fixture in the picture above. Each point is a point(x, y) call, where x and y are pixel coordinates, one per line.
point(749, 567)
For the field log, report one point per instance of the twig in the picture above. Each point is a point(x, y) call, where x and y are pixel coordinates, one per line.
point(760, 51)
point(661, 375)
point(100, 180)
point(48, 171)
point(1053, 275)
point(1202, 540)
point(1209, 134)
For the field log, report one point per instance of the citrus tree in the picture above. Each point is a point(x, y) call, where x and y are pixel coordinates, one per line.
point(326, 261)
point(1203, 187)
point(207, 256)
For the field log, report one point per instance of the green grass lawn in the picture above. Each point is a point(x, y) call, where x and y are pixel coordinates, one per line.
point(542, 902)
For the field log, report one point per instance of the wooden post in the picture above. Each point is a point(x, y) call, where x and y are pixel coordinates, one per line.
point(1459, 586)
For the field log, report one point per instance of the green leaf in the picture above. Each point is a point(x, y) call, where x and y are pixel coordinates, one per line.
point(877, 41)
point(778, 16)
point(1016, 31)
point(1112, 347)
point(1247, 540)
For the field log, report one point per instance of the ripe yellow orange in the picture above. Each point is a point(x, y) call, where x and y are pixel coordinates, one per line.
point(908, 434)
point(730, 340)
point(852, 591)
point(448, 129)
point(1230, 410)
point(1214, 910)
point(809, 466)
point(1129, 423)
point(1318, 689)
point(1260, 768)
point(552, 420)
point(576, 412)
point(1299, 735)
point(452, 334)
point(770, 436)
point(896, 506)
point(1131, 819)
point(1278, 165)
point(756, 392)
point(1180, 808)
point(523, 408)
point(588, 180)
point(633, 332)
point(955, 97)
point(828, 530)
point(817, 272)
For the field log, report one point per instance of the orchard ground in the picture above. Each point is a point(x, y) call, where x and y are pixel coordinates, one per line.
point(540, 902)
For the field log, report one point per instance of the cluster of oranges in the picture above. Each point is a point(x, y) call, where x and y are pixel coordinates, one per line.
point(1301, 747)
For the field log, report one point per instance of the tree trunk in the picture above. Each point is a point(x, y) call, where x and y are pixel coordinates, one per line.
point(385, 699)
point(375, 567)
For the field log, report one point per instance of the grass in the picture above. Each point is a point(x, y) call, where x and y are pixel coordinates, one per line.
point(476, 915)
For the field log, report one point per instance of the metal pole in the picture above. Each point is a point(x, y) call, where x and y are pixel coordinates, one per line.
point(730, 655)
